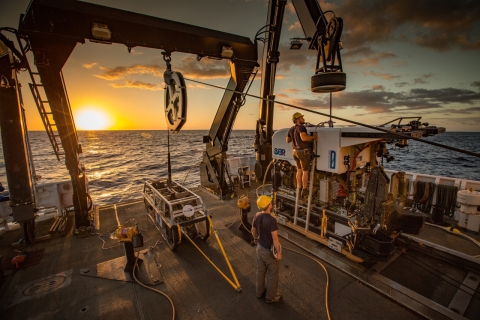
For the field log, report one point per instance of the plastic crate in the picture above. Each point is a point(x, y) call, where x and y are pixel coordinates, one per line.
point(378, 243)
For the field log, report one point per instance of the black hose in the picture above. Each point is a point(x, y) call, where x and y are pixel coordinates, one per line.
point(422, 199)
point(447, 198)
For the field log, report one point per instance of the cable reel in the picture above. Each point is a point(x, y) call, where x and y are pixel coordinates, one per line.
point(175, 97)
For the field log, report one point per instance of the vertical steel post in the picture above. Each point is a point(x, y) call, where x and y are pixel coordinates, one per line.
point(14, 148)
point(264, 130)
point(50, 56)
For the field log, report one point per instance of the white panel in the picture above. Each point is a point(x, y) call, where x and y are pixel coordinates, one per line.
point(342, 230)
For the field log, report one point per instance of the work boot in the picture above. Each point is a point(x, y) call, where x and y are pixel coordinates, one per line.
point(263, 295)
point(277, 298)
point(304, 192)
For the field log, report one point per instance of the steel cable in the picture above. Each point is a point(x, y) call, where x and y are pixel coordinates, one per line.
point(400, 135)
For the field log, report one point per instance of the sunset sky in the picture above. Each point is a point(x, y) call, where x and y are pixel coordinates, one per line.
point(402, 58)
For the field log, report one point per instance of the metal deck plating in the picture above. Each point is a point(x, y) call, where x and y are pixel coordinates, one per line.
point(396, 289)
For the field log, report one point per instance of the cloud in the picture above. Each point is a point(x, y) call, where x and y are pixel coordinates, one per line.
point(281, 96)
point(138, 85)
point(295, 27)
point(197, 86)
point(469, 121)
point(441, 42)
point(363, 51)
point(437, 24)
point(136, 69)
point(377, 101)
point(402, 84)
point(367, 57)
point(292, 58)
point(204, 69)
point(385, 76)
point(136, 52)
point(471, 110)
point(447, 95)
point(89, 65)
point(422, 79)
point(188, 66)
point(290, 8)
point(292, 90)
point(419, 81)
point(413, 100)
point(476, 84)
point(378, 87)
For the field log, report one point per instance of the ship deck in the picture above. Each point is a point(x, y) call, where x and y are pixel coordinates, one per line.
point(56, 285)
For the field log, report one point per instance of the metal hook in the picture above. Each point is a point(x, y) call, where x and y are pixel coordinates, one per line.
point(167, 58)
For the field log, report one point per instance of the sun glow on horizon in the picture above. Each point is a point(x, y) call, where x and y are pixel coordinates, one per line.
point(92, 119)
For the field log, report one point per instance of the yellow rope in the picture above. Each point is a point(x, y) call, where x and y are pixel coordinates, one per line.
point(326, 273)
point(236, 287)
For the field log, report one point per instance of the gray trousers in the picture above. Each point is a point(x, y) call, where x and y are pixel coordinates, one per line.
point(267, 273)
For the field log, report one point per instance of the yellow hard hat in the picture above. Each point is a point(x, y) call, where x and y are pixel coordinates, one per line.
point(296, 115)
point(263, 202)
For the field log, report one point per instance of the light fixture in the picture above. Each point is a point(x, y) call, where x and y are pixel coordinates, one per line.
point(101, 32)
point(296, 43)
point(227, 52)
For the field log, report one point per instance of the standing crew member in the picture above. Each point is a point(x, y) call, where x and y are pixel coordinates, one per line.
point(302, 149)
point(265, 234)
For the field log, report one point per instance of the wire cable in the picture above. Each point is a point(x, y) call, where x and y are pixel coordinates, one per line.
point(326, 273)
point(150, 288)
point(454, 231)
point(103, 245)
point(400, 135)
point(196, 164)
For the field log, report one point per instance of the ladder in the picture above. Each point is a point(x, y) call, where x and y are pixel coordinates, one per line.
point(43, 105)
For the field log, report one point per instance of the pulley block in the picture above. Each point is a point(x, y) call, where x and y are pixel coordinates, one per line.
point(175, 100)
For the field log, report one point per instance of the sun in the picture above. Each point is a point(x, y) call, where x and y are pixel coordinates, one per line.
point(92, 119)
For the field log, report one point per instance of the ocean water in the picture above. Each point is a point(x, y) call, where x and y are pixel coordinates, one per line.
point(119, 162)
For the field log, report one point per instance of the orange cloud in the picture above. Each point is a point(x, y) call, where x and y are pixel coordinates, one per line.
point(136, 69)
point(138, 85)
point(89, 65)
point(385, 76)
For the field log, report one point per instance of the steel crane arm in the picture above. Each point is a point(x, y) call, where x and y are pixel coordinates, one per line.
point(323, 36)
point(73, 20)
point(54, 27)
point(312, 19)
